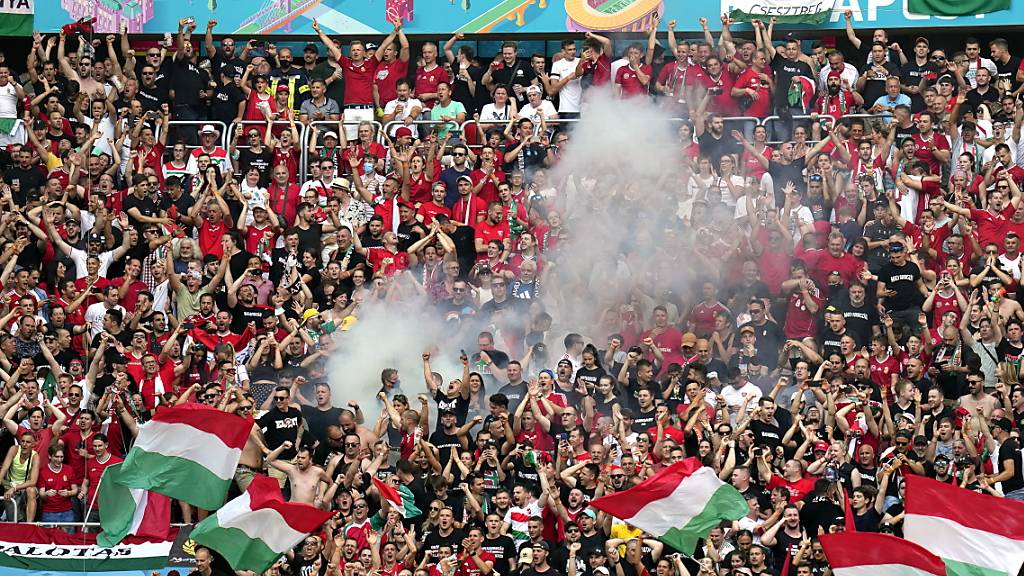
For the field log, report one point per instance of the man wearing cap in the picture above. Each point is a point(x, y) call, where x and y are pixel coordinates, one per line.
point(291, 76)
point(1010, 469)
point(209, 144)
point(319, 106)
point(837, 100)
point(920, 71)
point(537, 107)
point(403, 108)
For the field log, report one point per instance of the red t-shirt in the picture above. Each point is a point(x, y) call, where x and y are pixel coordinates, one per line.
point(761, 107)
point(290, 159)
point(210, 235)
point(468, 566)
point(429, 210)
point(797, 489)
point(419, 188)
point(630, 82)
point(487, 232)
point(387, 262)
point(489, 191)
point(427, 81)
point(48, 480)
point(469, 212)
point(882, 371)
point(359, 79)
point(602, 70)
point(93, 472)
point(388, 74)
point(924, 152)
point(703, 316)
point(800, 322)
point(991, 227)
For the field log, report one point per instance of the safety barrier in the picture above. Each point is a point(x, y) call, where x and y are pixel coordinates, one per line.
point(221, 127)
point(476, 140)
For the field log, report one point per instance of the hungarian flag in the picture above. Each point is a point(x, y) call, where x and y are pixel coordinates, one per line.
point(678, 505)
point(790, 11)
point(37, 551)
point(17, 17)
point(187, 452)
point(130, 511)
point(975, 534)
point(956, 7)
point(401, 499)
point(255, 529)
point(868, 554)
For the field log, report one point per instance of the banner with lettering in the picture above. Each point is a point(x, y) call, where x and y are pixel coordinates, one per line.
point(16, 17)
point(789, 11)
point(38, 550)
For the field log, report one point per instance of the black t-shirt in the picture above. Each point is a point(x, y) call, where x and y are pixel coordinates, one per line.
point(278, 426)
point(145, 205)
point(902, 280)
point(874, 86)
point(766, 434)
point(784, 173)
point(503, 548)
point(784, 544)
point(224, 104)
point(444, 443)
point(152, 96)
point(1009, 352)
point(1010, 450)
point(859, 321)
point(976, 98)
point(519, 73)
point(187, 80)
point(1008, 70)
point(715, 148)
point(310, 237)
point(460, 93)
point(590, 376)
point(25, 179)
point(434, 540)
point(318, 420)
point(785, 70)
point(642, 421)
point(818, 511)
point(869, 521)
point(261, 160)
point(911, 75)
point(459, 405)
point(465, 248)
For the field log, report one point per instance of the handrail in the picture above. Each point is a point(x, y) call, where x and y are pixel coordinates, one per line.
point(200, 123)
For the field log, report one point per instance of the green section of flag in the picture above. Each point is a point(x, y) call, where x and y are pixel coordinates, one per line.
point(17, 17)
point(956, 7)
point(955, 568)
point(242, 551)
point(118, 506)
point(176, 477)
point(725, 504)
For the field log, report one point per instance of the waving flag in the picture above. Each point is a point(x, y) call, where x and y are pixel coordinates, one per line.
point(401, 499)
point(677, 505)
point(255, 529)
point(867, 554)
point(790, 11)
point(975, 534)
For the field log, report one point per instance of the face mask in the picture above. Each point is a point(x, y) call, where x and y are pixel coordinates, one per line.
point(367, 167)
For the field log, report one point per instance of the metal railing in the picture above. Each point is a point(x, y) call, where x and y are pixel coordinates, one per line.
point(221, 127)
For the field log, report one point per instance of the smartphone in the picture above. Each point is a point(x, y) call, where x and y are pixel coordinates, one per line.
point(815, 384)
point(188, 325)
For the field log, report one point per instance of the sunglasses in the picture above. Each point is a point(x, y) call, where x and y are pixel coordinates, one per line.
point(280, 398)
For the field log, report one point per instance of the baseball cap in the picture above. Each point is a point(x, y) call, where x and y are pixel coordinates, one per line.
point(308, 314)
point(600, 569)
point(689, 339)
point(747, 329)
point(1003, 423)
point(921, 39)
point(331, 134)
point(403, 131)
point(821, 447)
point(533, 89)
point(282, 88)
point(945, 79)
point(466, 178)
point(542, 544)
point(311, 47)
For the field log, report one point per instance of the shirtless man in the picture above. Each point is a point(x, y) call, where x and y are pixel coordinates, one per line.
point(305, 478)
point(251, 461)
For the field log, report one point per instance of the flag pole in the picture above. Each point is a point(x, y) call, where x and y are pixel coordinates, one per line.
point(92, 501)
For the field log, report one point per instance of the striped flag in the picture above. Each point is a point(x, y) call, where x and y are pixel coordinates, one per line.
point(975, 534)
point(30, 550)
point(188, 452)
point(401, 499)
point(868, 554)
point(677, 505)
point(130, 511)
point(255, 529)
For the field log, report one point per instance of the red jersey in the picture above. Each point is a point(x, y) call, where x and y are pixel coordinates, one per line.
point(797, 489)
point(210, 235)
point(628, 79)
point(153, 387)
point(761, 107)
point(882, 372)
point(924, 152)
point(153, 158)
point(359, 79)
point(426, 83)
point(821, 262)
point(428, 210)
point(489, 191)
point(388, 74)
point(471, 211)
point(800, 322)
point(468, 566)
point(419, 188)
point(284, 201)
point(93, 470)
point(487, 232)
point(290, 159)
point(835, 106)
point(62, 479)
point(991, 227)
point(941, 305)
point(387, 262)
point(602, 70)
point(703, 316)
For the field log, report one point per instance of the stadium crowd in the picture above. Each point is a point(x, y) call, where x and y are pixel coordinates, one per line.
point(848, 316)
